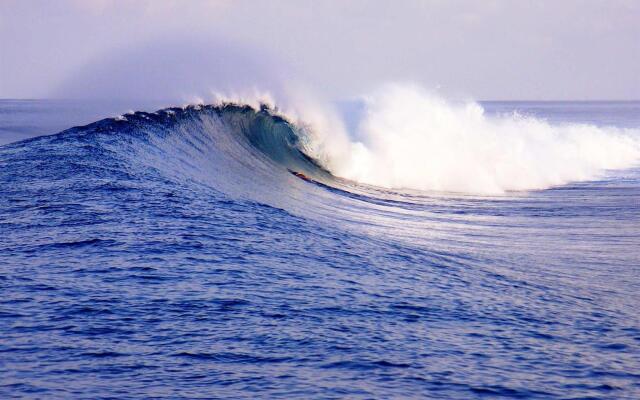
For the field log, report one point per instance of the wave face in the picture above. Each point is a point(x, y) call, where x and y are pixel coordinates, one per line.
point(176, 254)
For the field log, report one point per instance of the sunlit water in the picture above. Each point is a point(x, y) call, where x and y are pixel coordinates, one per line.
point(173, 255)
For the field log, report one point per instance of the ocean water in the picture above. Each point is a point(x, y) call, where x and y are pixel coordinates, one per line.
point(175, 255)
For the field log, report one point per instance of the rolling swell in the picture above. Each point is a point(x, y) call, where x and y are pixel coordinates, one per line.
point(267, 132)
point(200, 127)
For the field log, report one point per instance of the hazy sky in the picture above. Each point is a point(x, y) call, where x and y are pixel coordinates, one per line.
point(488, 49)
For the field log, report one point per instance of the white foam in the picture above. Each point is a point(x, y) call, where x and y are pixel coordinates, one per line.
point(410, 138)
point(252, 97)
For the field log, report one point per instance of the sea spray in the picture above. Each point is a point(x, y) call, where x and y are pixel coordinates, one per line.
point(409, 138)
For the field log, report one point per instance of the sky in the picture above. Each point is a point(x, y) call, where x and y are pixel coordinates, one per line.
point(486, 50)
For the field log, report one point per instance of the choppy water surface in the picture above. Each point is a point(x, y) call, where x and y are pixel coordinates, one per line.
point(174, 255)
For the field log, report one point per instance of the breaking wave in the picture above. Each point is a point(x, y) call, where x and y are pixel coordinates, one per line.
point(405, 138)
point(408, 138)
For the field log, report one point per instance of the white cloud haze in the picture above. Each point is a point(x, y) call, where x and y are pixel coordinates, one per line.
point(495, 49)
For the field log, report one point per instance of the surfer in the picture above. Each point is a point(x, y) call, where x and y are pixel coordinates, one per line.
point(300, 175)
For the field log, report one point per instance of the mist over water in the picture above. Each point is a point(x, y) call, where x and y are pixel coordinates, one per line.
point(175, 69)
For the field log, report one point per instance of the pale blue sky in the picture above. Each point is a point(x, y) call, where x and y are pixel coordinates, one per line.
point(490, 49)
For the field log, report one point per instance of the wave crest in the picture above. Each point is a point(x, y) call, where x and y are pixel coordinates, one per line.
point(411, 139)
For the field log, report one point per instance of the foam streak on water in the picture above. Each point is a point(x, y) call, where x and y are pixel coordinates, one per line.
point(174, 255)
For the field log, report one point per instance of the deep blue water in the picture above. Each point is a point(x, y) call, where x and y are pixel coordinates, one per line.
point(173, 255)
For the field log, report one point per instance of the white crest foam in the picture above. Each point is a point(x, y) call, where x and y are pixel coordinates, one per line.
point(409, 138)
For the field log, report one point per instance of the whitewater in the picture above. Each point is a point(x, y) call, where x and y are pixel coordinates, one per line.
point(401, 246)
point(411, 139)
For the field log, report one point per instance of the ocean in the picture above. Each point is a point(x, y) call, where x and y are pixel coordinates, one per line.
point(222, 251)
